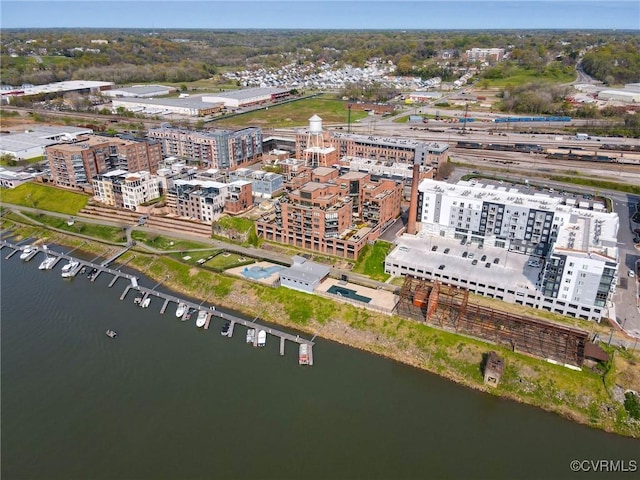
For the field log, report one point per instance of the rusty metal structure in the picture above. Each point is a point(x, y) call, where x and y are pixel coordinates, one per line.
point(448, 307)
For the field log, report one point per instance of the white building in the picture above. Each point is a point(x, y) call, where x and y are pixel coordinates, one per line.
point(248, 96)
point(624, 96)
point(534, 250)
point(140, 91)
point(191, 107)
point(31, 143)
point(202, 200)
point(123, 189)
point(10, 179)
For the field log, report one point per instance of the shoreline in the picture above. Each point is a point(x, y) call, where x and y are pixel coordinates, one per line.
point(527, 380)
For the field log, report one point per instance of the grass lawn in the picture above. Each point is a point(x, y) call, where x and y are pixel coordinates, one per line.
point(520, 76)
point(46, 198)
point(102, 232)
point(226, 260)
point(167, 243)
point(294, 114)
point(371, 260)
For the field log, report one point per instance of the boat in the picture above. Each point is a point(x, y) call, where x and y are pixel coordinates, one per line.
point(303, 354)
point(111, 334)
point(182, 307)
point(68, 269)
point(26, 251)
point(145, 303)
point(226, 329)
point(202, 318)
point(188, 315)
point(47, 263)
point(137, 300)
point(262, 338)
point(92, 272)
point(251, 335)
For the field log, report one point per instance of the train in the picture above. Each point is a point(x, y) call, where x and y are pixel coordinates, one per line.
point(604, 154)
point(531, 119)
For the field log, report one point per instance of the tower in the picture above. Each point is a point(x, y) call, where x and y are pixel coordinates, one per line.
point(318, 153)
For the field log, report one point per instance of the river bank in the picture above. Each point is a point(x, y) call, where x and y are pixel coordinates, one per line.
point(586, 397)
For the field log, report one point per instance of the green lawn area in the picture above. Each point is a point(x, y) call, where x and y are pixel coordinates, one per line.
point(167, 243)
point(102, 232)
point(520, 76)
point(46, 198)
point(226, 260)
point(371, 260)
point(296, 114)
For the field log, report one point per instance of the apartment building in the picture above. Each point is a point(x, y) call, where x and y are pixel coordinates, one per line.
point(541, 251)
point(123, 189)
point(206, 200)
point(491, 55)
point(223, 149)
point(264, 184)
point(384, 149)
point(333, 214)
point(75, 164)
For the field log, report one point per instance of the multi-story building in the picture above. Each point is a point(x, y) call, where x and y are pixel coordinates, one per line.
point(75, 164)
point(386, 149)
point(264, 184)
point(333, 214)
point(224, 149)
point(123, 189)
point(205, 200)
point(484, 54)
point(538, 250)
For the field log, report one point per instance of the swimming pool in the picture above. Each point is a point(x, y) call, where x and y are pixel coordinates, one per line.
point(347, 293)
point(258, 273)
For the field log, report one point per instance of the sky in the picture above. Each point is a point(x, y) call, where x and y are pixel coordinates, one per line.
point(323, 14)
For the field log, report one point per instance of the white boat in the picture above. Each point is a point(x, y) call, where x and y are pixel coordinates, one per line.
point(226, 329)
point(182, 307)
point(145, 303)
point(26, 251)
point(251, 335)
point(67, 270)
point(262, 338)
point(111, 333)
point(202, 318)
point(47, 263)
point(303, 354)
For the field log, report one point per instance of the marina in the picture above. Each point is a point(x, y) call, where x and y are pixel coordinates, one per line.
point(204, 315)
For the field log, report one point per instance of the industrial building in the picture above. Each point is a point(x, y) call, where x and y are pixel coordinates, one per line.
point(31, 144)
point(79, 86)
point(624, 96)
point(536, 250)
point(250, 96)
point(122, 189)
point(140, 91)
point(191, 107)
point(222, 149)
point(303, 275)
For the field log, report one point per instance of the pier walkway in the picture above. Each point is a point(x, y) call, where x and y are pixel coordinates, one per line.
point(97, 269)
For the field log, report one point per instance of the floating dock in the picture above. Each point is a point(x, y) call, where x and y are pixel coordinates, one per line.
point(145, 292)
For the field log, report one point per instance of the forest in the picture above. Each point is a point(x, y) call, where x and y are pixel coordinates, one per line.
point(128, 56)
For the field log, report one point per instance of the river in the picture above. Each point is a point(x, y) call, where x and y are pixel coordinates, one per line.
point(168, 400)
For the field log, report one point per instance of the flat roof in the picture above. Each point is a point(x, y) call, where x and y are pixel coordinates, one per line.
point(511, 270)
point(143, 89)
point(171, 102)
point(66, 86)
point(249, 93)
point(23, 141)
point(305, 270)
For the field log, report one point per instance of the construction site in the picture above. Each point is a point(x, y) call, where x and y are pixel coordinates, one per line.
point(448, 308)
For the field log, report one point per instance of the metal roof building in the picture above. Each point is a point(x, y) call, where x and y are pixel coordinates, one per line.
point(140, 91)
point(248, 96)
point(303, 275)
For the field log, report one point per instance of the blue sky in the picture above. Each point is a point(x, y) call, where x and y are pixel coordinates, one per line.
point(326, 14)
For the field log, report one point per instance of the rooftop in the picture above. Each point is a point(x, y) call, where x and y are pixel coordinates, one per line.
point(249, 93)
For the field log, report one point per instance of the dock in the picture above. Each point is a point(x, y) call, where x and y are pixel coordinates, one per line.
point(168, 298)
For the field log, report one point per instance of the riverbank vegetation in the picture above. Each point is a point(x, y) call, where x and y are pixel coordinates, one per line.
point(593, 396)
point(371, 260)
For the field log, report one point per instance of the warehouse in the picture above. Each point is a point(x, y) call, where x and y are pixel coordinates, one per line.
point(247, 97)
point(166, 106)
point(625, 96)
point(140, 91)
point(31, 144)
